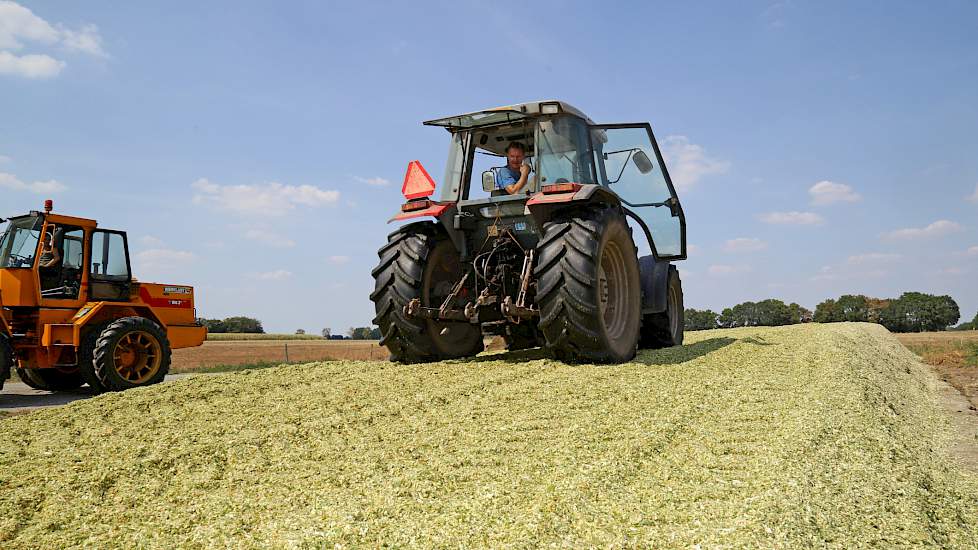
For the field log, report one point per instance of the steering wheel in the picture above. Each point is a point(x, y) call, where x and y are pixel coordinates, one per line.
point(21, 260)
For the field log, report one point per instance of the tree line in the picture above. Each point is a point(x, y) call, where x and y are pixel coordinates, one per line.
point(911, 312)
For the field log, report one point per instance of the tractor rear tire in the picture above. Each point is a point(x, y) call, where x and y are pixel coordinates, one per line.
point(419, 261)
point(51, 379)
point(588, 287)
point(131, 352)
point(7, 360)
point(663, 330)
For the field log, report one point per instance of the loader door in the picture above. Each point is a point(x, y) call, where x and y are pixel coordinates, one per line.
point(629, 163)
point(110, 276)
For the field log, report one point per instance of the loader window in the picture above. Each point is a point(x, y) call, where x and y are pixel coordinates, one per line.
point(19, 243)
point(110, 261)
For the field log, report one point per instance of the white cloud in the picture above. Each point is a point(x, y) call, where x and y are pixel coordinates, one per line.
point(974, 196)
point(268, 199)
point(19, 25)
point(827, 273)
point(339, 260)
point(719, 270)
point(277, 275)
point(269, 238)
point(692, 249)
point(791, 218)
point(5, 159)
point(953, 271)
point(30, 66)
point(973, 251)
point(10, 181)
point(376, 182)
point(936, 229)
point(827, 192)
point(873, 257)
point(86, 40)
point(688, 163)
point(151, 241)
point(744, 244)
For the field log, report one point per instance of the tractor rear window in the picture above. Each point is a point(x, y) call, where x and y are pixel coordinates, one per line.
point(19, 243)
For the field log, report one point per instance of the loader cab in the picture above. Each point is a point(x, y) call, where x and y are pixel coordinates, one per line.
point(55, 261)
point(564, 147)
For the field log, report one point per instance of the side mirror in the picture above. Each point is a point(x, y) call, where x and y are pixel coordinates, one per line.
point(488, 181)
point(642, 162)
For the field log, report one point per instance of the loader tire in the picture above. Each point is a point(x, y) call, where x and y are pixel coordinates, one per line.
point(131, 352)
point(7, 360)
point(86, 358)
point(588, 286)
point(664, 330)
point(51, 379)
point(419, 261)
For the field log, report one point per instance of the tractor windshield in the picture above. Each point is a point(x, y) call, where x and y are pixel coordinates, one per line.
point(19, 242)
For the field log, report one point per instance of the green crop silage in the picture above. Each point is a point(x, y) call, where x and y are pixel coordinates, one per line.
point(790, 437)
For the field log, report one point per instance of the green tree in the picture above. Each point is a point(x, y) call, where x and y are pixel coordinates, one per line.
point(214, 326)
point(247, 325)
point(853, 307)
point(919, 312)
point(364, 333)
point(771, 313)
point(827, 312)
point(799, 314)
point(700, 320)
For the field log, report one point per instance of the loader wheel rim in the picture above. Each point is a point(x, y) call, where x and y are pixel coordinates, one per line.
point(613, 291)
point(137, 356)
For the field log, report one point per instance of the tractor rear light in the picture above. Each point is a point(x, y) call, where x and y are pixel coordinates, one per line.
point(561, 188)
point(411, 206)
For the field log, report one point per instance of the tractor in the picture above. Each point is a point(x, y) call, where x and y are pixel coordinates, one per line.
point(72, 314)
point(553, 263)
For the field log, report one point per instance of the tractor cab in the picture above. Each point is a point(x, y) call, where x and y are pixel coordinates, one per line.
point(568, 153)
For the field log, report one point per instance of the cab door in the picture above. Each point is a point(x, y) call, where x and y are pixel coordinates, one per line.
point(110, 275)
point(628, 161)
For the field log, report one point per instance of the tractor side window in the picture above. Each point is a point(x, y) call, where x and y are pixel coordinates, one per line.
point(629, 164)
point(109, 261)
point(74, 250)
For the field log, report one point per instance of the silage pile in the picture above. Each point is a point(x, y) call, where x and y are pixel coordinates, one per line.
point(784, 437)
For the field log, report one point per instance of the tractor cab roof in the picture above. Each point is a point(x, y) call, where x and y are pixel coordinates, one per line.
point(507, 113)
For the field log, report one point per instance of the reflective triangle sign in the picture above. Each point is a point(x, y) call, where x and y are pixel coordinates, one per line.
point(417, 182)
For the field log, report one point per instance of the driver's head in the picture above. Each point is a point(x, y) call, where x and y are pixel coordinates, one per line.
point(515, 153)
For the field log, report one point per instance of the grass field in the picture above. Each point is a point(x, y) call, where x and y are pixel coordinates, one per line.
point(953, 354)
point(789, 437)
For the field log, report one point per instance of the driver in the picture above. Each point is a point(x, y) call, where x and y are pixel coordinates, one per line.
point(512, 178)
point(50, 256)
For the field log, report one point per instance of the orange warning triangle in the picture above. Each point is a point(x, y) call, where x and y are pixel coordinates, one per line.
point(417, 182)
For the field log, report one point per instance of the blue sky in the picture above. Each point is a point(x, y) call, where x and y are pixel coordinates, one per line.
point(256, 150)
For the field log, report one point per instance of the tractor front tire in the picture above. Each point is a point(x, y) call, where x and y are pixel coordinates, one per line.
point(664, 330)
point(7, 360)
point(588, 287)
point(420, 262)
point(131, 352)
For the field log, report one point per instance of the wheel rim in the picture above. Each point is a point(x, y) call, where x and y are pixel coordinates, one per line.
point(673, 312)
point(137, 356)
point(613, 291)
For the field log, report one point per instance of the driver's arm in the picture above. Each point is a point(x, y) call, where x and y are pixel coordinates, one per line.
point(55, 258)
point(518, 186)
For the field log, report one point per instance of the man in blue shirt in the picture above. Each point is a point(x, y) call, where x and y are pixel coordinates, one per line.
point(513, 177)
